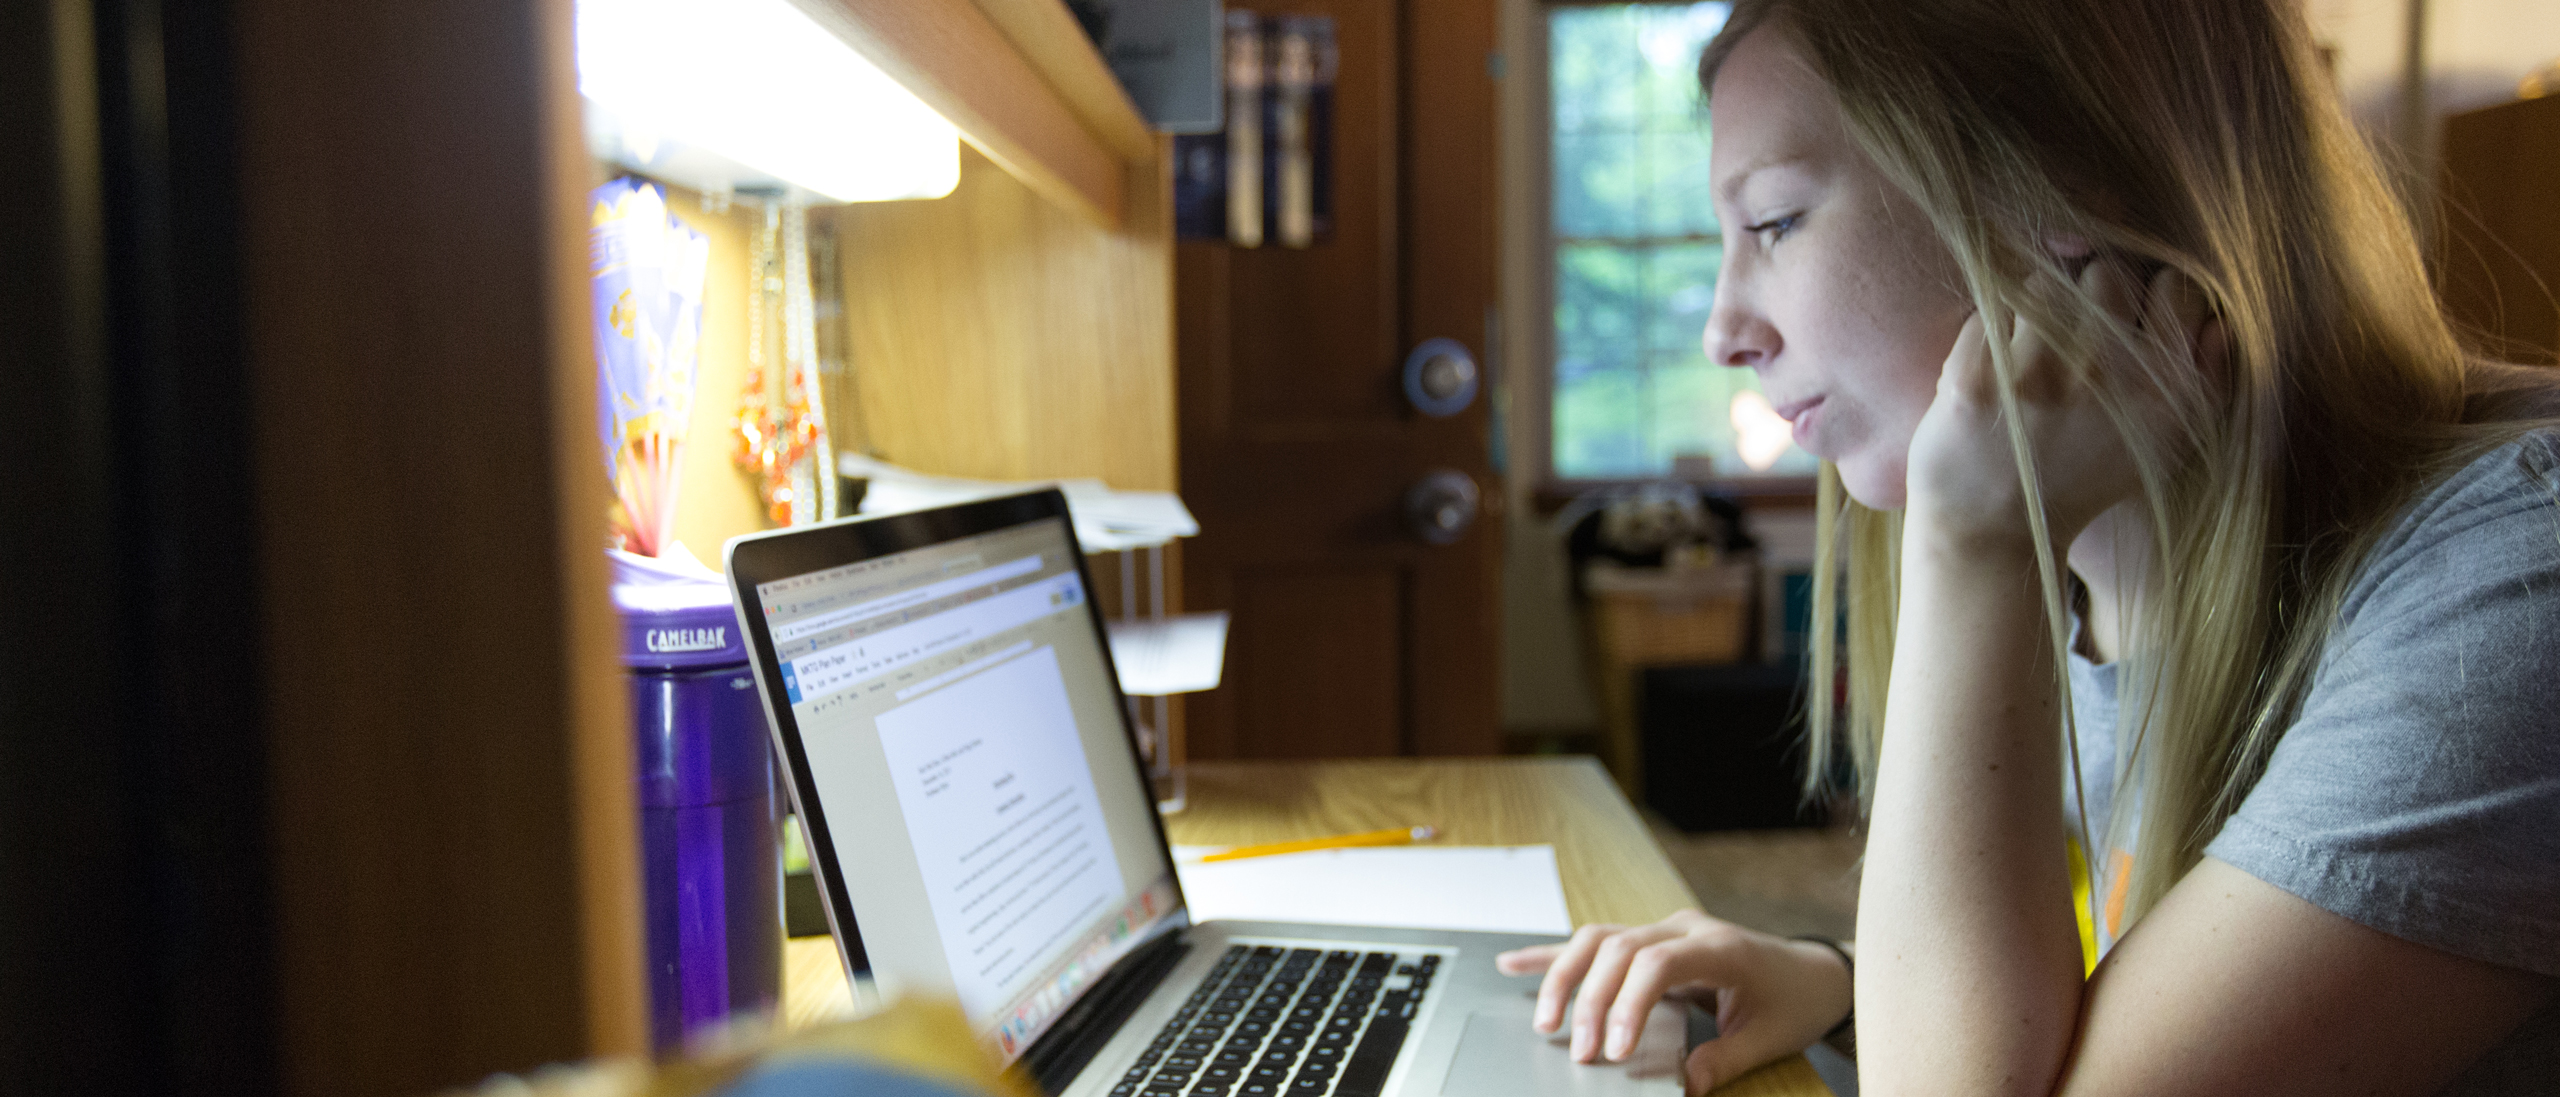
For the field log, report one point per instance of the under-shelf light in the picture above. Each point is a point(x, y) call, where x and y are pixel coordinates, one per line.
point(742, 94)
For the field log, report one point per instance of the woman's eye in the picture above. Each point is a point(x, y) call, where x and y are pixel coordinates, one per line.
point(1775, 228)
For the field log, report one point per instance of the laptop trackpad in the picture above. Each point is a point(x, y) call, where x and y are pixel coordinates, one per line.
point(1500, 1054)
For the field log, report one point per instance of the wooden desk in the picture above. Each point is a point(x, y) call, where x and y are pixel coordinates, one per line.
point(1613, 871)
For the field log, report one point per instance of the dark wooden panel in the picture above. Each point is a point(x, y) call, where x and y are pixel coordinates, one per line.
point(1318, 660)
point(2500, 266)
point(454, 850)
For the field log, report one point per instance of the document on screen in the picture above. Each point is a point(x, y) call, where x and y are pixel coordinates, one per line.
point(1008, 832)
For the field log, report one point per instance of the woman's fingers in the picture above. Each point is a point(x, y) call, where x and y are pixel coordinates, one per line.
point(1733, 1054)
point(1967, 372)
point(2179, 304)
point(1565, 965)
point(1600, 985)
point(1754, 1030)
point(1526, 961)
point(1651, 974)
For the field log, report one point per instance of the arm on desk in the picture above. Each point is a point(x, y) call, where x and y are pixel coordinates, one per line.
point(1772, 996)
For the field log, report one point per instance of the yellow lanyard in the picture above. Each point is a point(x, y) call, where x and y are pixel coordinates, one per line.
point(2080, 908)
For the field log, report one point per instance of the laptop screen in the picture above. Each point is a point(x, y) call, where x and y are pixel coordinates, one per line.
point(962, 735)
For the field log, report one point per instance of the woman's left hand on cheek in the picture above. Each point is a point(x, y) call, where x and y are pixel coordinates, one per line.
point(1963, 473)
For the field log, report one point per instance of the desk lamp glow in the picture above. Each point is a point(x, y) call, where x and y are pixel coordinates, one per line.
point(725, 95)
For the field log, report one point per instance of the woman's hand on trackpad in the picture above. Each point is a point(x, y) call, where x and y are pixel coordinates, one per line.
point(1772, 997)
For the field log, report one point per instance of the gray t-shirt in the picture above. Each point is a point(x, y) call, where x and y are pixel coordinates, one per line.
point(2419, 791)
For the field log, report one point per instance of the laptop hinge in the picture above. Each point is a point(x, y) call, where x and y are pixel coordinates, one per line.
point(1060, 1053)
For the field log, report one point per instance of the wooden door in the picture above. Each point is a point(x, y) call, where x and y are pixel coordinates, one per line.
point(1352, 636)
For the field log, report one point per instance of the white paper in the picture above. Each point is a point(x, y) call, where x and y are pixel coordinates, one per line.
point(1181, 654)
point(1007, 827)
point(1106, 520)
point(1149, 513)
point(1502, 889)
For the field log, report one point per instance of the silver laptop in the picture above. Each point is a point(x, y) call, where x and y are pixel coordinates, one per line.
point(960, 754)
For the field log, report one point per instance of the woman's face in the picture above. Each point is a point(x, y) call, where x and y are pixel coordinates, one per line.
point(1835, 290)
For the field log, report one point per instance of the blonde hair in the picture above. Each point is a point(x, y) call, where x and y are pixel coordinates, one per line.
point(2199, 135)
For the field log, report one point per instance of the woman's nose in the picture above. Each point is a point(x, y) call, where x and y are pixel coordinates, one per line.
point(1738, 335)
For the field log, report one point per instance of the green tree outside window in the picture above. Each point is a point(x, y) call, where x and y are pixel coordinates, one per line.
point(1636, 251)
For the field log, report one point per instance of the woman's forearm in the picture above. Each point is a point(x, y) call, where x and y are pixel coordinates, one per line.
point(1969, 972)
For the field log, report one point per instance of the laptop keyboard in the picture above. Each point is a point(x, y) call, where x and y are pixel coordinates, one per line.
point(1286, 1022)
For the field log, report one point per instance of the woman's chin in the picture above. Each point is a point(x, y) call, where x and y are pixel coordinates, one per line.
point(1876, 485)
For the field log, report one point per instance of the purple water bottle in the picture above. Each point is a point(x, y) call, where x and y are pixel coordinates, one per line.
point(708, 815)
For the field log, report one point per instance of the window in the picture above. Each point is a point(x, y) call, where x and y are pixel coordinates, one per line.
point(1635, 253)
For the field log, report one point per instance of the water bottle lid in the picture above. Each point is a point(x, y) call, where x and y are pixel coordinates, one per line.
point(675, 612)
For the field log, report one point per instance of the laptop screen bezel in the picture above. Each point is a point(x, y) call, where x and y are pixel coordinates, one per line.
point(756, 559)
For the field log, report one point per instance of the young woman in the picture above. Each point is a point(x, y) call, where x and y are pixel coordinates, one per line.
point(2180, 529)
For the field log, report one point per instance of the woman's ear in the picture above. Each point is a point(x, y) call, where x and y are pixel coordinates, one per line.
point(2213, 354)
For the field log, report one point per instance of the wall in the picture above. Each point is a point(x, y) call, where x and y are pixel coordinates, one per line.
point(2468, 54)
point(1544, 687)
point(715, 500)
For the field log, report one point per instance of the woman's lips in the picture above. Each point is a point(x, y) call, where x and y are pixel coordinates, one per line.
point(1801, 415)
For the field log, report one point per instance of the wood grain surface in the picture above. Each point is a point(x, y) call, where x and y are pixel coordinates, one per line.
point(961, 63)
point(453, 838)
point(1613, 871)
point(993, 334)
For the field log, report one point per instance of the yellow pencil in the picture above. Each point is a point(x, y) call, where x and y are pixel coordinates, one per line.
point(1397, 837)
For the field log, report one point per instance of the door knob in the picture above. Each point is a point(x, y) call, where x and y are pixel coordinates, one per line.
point(1440, 378)
point(1441, 506)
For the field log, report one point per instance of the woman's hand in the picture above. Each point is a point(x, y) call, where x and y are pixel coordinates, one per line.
point(1963, 474)
point(1772, 996)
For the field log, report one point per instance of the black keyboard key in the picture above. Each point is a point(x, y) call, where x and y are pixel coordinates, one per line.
point(1364, 1074)
point(1317, 1068)
point(1124, 1089)
point(1257, 1089)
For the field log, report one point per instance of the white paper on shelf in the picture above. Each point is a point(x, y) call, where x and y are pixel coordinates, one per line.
point(1106, 520)
point(1182, 654)
point(1502, 889)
